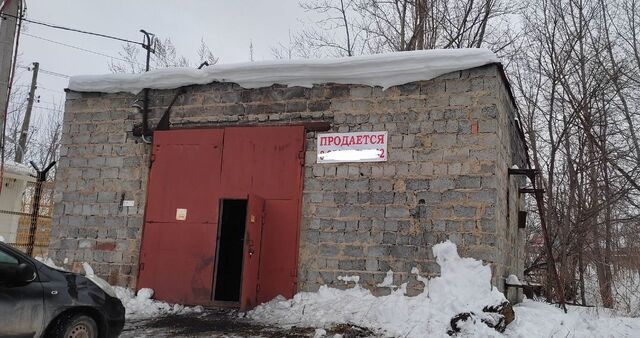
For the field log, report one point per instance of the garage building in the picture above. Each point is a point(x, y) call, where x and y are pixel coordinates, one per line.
point(247, 181)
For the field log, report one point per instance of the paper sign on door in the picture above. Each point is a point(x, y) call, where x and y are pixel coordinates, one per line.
point(181, 214)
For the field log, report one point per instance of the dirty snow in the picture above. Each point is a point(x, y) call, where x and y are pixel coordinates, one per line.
point(387, 282)
point(142, 305)
point(349, 279)
point(383, 70)
point(48, 262)
point(464, 285)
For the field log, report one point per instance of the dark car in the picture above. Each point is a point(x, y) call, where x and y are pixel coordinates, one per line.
point(39, 301)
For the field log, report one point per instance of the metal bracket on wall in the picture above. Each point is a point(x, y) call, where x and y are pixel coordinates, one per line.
point(530, 191)
point(530, 173)
point(164, 123)
point(538, 194)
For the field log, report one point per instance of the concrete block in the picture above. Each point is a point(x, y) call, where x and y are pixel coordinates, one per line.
point(396, 212)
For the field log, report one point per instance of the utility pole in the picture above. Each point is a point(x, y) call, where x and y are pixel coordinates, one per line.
point(24, 132)
point(7, 41)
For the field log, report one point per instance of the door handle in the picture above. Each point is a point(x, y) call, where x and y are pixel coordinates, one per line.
point(251, 252)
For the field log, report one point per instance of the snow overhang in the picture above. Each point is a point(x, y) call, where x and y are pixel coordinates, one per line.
point(384, 70)
point(19, 171)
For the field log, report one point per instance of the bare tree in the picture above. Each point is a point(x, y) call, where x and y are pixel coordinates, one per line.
point(346, 28)
point(165, 56)
point(580, 113)
point(334, 31)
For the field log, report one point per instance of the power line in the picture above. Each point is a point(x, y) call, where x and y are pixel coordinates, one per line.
point(59, 91)
point(48, 108)
point(49, 72)
point(78, 48)
point(37, 22)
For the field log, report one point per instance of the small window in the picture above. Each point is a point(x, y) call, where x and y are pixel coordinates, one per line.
point(5, 258)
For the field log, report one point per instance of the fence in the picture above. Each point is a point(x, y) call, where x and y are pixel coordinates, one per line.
point(31, 225)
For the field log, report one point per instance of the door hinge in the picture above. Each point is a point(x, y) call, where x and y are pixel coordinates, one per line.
point(141, 266)
point(152, 158)
point(301, 157)
point(258, 287)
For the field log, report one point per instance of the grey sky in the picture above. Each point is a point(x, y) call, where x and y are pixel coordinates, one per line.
point(227, 26)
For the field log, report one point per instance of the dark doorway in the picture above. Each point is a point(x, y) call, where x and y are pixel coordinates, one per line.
point(230, 250)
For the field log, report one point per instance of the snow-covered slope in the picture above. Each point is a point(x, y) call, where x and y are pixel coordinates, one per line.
point(383, 70)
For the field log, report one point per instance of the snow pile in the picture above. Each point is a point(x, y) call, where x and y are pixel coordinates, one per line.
point(1, 239)
point(513, 280)
point(383, 70)
point(464, 285)
point(142, 305)
point(88, 270)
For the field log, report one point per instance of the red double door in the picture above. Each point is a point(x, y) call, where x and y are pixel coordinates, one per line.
point(192, 171)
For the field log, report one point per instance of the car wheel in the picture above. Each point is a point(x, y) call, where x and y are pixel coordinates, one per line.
point(78, 326)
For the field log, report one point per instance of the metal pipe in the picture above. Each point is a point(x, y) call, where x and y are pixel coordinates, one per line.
point(148, 40)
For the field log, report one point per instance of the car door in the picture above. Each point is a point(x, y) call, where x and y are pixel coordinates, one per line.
point(21, 304)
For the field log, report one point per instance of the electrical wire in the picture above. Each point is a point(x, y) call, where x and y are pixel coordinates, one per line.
point(48, 108)
point(48, 89)
point(48, 72)
point(78, 48)
point(50, 25)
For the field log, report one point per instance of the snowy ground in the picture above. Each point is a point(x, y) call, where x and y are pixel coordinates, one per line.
point(533, 319)
point(464, 286)
point(226, 323)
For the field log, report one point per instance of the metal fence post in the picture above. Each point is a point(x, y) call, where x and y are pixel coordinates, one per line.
point(41, 177)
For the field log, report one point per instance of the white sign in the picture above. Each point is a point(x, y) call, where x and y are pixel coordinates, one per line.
point(181, 214)
point(128, 203)
point(368, 146)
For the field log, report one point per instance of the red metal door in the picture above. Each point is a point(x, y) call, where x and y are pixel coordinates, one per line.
point(178, 245)
point(251, 257)
point(268, 161)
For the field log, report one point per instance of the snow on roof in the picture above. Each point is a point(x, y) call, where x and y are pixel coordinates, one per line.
point(383, 70)
point(18, 169)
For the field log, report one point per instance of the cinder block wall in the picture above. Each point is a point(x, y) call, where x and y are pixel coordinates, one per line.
point(451, 140)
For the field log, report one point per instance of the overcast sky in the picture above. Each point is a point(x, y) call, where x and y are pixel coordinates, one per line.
point(227, 26)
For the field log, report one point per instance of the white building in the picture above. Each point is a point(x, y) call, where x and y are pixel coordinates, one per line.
point(14, 184)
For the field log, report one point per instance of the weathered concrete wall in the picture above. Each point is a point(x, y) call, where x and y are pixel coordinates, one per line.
point(511, 152)
point(446, 179)
point(450, 144)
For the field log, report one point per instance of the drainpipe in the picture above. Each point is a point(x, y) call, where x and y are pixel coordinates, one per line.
point(145, 100)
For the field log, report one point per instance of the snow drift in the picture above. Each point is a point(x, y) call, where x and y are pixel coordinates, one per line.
point(383, 70)
point(141, 305)
point(464, 286)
